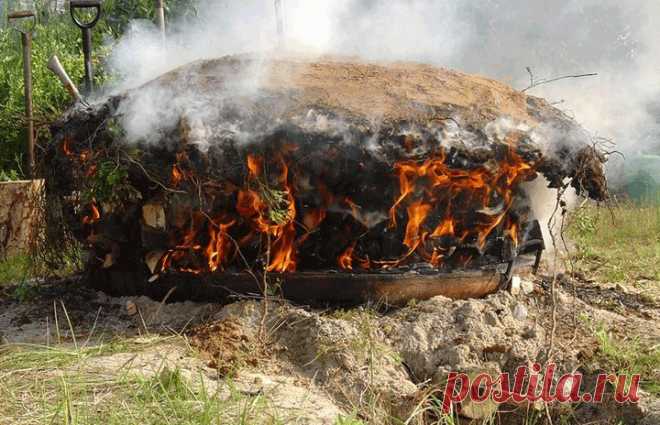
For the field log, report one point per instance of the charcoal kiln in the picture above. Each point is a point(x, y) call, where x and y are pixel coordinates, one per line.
point(340, 181)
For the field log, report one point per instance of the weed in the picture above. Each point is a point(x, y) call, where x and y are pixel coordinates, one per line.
point(15, 269)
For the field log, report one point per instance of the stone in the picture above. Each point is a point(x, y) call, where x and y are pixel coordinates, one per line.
point(527, 286)
point(520, 312)
point(515, 287)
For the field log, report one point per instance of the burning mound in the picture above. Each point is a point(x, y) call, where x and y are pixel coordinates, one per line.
point(236, 164)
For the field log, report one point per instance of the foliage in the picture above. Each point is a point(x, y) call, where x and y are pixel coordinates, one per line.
point(55, 37)
point(10, 175)
point(56, 34)
point(14, 269)
point(109, 184)
point(121, 12)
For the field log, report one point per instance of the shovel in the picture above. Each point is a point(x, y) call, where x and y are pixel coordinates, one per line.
point(14, 19)
point(86, 28)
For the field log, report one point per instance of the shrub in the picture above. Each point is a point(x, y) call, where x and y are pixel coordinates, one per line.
point(56, 34)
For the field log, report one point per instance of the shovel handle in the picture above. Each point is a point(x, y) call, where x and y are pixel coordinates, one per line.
point(85, 4)
point(22, 14)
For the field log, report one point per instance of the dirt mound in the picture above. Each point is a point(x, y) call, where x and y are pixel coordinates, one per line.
point(390, 92)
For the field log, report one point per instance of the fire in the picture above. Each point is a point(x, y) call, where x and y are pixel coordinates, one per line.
point(417, 213)
point(176, 176)
point(219, 246)
point(83, 156)
point(66, 148)
point(272, 212)
point(513, 233)
point(433, 184)
point(282, 251)
point(255, 165)
point(442, 212)
point(94, 217)
point(355, 208)
point(445, 228)
point(345, 260)
point(313, 218)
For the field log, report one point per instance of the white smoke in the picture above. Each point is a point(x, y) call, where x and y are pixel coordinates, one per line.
point(496, 38)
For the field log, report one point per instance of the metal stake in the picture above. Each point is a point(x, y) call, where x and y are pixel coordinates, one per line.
point(86, 28)
point(26, 41)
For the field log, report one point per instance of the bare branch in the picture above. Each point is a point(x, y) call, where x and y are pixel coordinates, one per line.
point(533, 82)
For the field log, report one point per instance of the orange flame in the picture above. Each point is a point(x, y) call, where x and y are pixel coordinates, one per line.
point(177, 176)
point(313, 218)
point(433, 182)
point(473, 203)
point(255, 165)
point(219, 245)
point(445, 228)
point(95, 217)
point(345, 260)
point(66, 148)
point(252, 206)
point(417, 213)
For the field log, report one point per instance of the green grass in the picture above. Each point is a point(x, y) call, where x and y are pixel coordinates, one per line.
point(618, 245)
point(56, 34)
point(630, 357)
point(18, 269)
point(15, 269)
point(60, 385)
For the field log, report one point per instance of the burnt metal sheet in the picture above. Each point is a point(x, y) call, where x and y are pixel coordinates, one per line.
point(312, 288)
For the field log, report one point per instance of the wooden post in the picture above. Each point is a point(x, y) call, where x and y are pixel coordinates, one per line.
point(160, 16)
point(26, 39)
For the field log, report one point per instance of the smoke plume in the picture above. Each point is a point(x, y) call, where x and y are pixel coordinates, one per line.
point(495, 38)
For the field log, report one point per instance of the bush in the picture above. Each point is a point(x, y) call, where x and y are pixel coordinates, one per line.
point(56, 34)
point(48, 95)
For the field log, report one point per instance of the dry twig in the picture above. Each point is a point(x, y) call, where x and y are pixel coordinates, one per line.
point(533, 82)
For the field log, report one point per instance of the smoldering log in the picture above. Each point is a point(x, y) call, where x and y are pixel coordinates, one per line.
point(220, 164)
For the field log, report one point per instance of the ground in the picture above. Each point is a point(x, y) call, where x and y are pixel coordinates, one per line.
point(72, 355)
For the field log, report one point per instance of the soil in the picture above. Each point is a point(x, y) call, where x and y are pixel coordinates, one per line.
point(325, 363)
point(391, 92)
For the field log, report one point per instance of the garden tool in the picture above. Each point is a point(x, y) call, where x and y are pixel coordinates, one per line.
point(57, 68)
point(86, 28)
point(24, 22)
